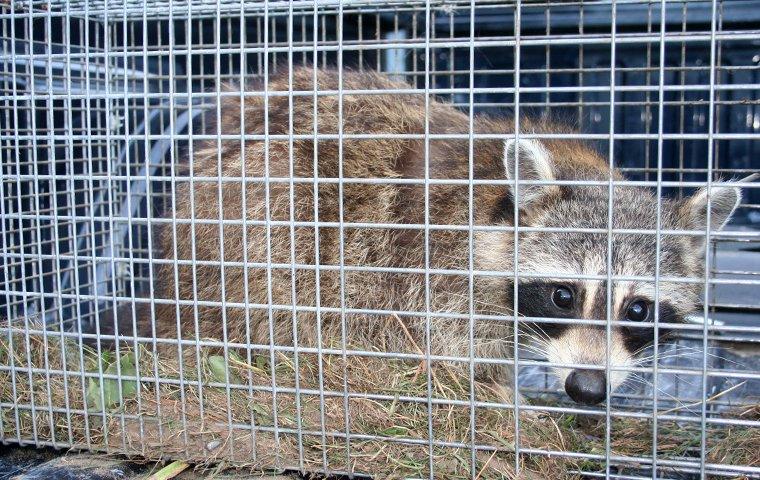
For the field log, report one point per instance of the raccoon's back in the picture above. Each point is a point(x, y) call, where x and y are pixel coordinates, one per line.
point(360, 242)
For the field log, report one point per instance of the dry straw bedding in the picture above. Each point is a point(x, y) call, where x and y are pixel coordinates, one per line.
point(147, 422)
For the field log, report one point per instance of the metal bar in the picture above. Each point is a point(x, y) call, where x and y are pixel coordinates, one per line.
point(244, 202)
point(608, 297)
point(317, 278)
point(99, 93)
point(428, 341)
point(658, 244)
point(708, 227)
point(588, 39)
point(130, 242)
point(36, 161)
point(341, 240)
point(193, 223)
point(516, 216)
point(267, 209)
point(220, 213)
point(471, 233)
point(292, 214)
point(695, 417)
point(6, 155)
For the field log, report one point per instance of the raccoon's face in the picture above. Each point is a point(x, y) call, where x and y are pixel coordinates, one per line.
point(563, 275)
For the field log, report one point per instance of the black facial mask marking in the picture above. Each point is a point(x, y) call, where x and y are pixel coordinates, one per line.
point(636, 338)
point(534, 299)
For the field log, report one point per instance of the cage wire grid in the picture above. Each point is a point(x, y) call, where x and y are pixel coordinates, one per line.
point(102, 102)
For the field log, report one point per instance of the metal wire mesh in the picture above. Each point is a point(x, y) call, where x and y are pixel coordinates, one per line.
point(101, 104)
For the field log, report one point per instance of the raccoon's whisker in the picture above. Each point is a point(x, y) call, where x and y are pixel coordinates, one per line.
point(641, 350)
point(699, 351)
point(538, 332)
point(535, 336)
point(532, 348)
point(650, 347)
point(633, 379)
point(626, 384)
point(509, 343)
point(679, 378)
point(665, 350)
point(535, 344)
point(529, 335)
point(647, 383)
point(650, 358)
point(538, 349)
point(641, 380)
point(538, 353)
point(535, 349)
point(636, 378)
point(677, 347)
point(537, 341)
point(690, 353)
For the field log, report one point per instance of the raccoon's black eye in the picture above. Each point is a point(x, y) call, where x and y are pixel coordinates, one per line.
point(637, 311)
point(563, 298)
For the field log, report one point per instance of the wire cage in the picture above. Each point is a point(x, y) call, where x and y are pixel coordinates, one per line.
point(103, 102)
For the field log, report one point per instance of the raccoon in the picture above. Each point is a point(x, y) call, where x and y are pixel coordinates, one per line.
point(331, 218)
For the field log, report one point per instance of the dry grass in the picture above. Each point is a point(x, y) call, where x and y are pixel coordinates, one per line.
point(165, 422)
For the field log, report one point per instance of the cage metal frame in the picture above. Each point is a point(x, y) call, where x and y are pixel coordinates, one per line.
point(121, 14)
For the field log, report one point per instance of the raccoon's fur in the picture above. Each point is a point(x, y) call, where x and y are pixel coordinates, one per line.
point(546, 260)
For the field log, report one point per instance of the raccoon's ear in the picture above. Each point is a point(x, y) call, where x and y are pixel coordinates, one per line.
point(533, 162)
point(692, 211)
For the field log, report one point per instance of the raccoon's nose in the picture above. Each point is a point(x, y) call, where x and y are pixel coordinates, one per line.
point(586, 386)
